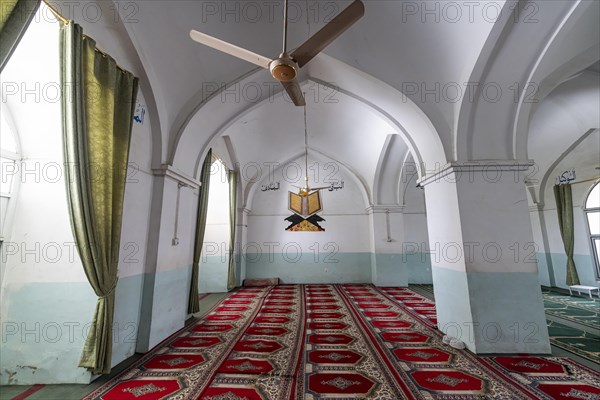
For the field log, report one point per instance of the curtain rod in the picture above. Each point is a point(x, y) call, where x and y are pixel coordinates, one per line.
point(586, 180)
point(56, 13)
point(67, 21)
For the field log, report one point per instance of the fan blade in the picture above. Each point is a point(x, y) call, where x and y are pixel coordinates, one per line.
point(319, 188)
point(230, 49)
point(293, 90)
point(317, 42)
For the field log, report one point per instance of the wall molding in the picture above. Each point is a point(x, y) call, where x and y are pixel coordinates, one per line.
point(383, 208)
point(169, 171)
point(537, 207)
point(474, 166)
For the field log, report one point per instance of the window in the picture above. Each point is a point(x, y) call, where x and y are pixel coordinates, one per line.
point(31, 162)
point(214, 262)
point(592, 217)
point(30, 130)
point(9, 159)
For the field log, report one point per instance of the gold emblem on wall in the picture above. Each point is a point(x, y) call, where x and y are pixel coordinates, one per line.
point(305, 205)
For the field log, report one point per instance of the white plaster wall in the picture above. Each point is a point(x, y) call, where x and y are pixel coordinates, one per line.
point(344, 210)
point(167, 283)
point(415, 231)
point(583, 158)
point(413, 199)
point(172, 256)
point(582, 248)
point(538, 224)
point(560, 121)
point(494, 216)
point(348, 233)
point(134, 239)
point(321, 172)
point(347, 227)
point(380, 231)
point(443, 219)
point(416, 246)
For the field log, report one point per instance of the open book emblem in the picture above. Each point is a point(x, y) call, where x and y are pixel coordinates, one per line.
point(305, 207)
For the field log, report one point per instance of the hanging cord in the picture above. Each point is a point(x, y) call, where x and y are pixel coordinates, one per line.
point(305, 143)
point(304, 95)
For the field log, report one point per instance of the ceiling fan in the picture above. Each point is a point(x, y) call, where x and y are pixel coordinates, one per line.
point(285, 67)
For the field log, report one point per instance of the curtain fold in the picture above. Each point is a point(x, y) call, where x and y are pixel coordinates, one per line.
point(193, 303)
point(98, 107)
point(232, 178)
point(15, 16)
point(564, 209)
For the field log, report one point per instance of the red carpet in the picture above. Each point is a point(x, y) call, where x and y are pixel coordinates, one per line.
point(334, 341)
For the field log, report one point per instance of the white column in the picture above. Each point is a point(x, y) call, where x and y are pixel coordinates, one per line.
point(167, 276)
point(483, 258)
point(243, 240)
point(387, 230)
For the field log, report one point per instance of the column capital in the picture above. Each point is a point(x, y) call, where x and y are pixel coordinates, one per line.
point(536, 207)
point(245, 210)
point(383, 208)
point(473, 166)
point(169, 171)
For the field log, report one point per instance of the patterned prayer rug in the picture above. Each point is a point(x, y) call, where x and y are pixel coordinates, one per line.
point(576, 341)
point(554, 378)
point(582, 310)
point(334, 342)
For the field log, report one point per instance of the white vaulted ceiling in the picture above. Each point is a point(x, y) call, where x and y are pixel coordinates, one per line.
point(394, 71)
point(337, 126)
point(389, 43)
point(395, 43)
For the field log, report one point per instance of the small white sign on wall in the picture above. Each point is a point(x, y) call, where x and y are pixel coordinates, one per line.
point(139, 113)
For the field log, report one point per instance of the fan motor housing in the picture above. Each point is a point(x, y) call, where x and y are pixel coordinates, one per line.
point(283, 69)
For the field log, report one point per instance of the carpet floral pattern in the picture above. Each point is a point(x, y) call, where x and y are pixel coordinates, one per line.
point(334, 342)
point(581, 310)
point(576, 341)
point(581, 337)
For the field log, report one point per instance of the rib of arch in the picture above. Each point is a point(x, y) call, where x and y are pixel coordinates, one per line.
point(251, 188)
point(210, 118)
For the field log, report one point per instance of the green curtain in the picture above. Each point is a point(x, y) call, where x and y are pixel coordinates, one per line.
point(564, 208)
point(97, 119)
point(232, 178)
point(15, 16)
point(193, 303)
